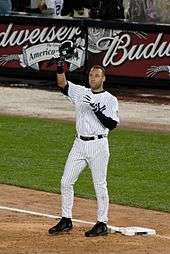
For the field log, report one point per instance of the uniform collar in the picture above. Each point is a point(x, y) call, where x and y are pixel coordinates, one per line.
point(98, 92)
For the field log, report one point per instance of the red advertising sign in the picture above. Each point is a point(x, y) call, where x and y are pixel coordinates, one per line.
point(122, 53)
point(133, 54)
point(32, 47)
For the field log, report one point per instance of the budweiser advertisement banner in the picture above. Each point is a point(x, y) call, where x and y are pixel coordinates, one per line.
point(122, 53)
point(32, 47)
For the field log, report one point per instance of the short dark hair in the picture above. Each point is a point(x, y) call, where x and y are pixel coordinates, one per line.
point(96, 66)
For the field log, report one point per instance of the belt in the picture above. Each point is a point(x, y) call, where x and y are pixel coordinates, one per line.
point(85, 138)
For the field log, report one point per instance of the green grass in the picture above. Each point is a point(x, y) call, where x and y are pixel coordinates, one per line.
point(33, 153)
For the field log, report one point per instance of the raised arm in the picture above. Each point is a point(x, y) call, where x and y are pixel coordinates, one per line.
point(61, 78)
point(66, 51)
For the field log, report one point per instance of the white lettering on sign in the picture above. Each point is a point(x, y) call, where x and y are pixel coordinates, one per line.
point(116, 45)
point(13, 38)
point(119, 49)
point(38, 53)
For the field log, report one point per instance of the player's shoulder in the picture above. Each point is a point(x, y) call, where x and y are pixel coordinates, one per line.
point(110, 96)
point(76, 86)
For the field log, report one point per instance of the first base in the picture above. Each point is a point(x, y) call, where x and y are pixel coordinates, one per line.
point(131, 231)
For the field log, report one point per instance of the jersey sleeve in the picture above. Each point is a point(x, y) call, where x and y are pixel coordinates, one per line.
point(74, 91)
point(112, 109)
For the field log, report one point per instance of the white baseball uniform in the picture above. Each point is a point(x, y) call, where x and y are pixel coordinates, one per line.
point(94, 153)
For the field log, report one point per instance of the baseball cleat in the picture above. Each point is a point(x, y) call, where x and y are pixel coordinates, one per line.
point(99, 229)
point(64, 225)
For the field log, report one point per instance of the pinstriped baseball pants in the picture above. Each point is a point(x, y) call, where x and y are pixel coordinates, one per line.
point(95, 154)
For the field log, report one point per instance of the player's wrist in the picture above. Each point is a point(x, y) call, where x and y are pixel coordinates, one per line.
point(60, 69)
point(60, 66)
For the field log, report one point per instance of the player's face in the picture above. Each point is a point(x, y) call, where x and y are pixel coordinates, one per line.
point(96, 79)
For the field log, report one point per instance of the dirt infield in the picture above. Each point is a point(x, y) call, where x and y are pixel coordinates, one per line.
point(28, 234)
point(23, 233)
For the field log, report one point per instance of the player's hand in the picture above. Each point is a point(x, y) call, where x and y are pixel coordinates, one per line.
point(99, 108)
point(66, 51)
point(94, 106)
point(87, 99)
point(59, 63)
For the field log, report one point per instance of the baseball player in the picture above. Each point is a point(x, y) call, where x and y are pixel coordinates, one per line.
point(96, 114)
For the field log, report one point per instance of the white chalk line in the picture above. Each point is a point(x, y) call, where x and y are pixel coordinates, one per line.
point(58, 217)
point(41, 214)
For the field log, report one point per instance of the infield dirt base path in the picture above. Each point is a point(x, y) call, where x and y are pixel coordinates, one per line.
point(28, 234)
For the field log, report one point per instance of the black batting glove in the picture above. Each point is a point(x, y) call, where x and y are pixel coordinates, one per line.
point(98, 108)
point(94, 106)
point(87, 99)
point(66, 50)
point(60, 64)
